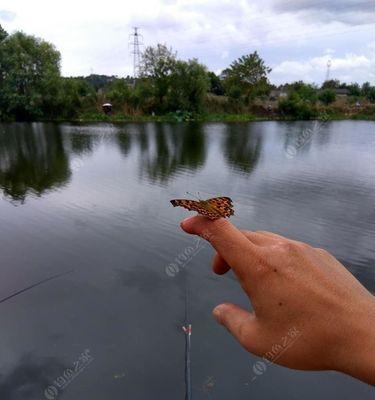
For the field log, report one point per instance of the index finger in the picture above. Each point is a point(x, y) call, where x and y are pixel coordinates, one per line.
point(232, 245)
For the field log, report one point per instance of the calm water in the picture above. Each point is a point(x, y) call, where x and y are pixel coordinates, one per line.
point(91, 202)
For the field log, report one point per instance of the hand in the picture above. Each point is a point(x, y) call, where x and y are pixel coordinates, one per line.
point(293, 287)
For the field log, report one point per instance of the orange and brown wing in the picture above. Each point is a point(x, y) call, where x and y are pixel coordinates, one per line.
point(193, 205)
point(223, 205)
point(197, 206)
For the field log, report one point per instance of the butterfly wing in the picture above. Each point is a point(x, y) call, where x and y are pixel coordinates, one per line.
point(191, 205)
point(213, 208)
point(223, 206)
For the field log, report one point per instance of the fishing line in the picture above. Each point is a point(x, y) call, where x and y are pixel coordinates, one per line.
point(187, 330)
point(34, 285)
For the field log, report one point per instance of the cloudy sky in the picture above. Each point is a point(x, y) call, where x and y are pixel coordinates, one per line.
point(295, 37)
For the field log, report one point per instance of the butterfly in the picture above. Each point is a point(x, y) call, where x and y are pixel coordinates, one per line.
point(217, 207)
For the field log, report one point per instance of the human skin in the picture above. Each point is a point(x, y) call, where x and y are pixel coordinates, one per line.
point(293, 287)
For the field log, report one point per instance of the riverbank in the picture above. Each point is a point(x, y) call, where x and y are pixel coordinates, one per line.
point(205, 117)
point(212, 117)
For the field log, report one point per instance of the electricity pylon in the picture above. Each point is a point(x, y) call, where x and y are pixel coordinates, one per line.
point(135, 41)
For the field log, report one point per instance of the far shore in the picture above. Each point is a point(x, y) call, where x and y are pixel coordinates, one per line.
point(198, 118)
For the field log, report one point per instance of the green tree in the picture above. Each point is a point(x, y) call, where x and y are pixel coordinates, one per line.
point(189, 86)
point(296, 107)
point(365, 89)
point(331, 84)
point(327, 96)
point(371, 94)
point(3, 34)
point(119, 92)
point(99, 81)
point(157, 64)
point(216, 84)
point(74, 96)
point(30, 72)
point(354, 89)
point(305, 91)
point(249, 73)
point(142, 97)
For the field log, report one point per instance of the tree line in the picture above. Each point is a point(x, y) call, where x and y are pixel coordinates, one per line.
point(32, 88)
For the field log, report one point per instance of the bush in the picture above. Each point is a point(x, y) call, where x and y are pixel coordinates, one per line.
point(371, 94)
point(306, 92)
point(327, 96)
point(119, 92)
point(296, 107)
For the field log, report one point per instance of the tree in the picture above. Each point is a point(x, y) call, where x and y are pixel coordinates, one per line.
point(331, 84)
point(3, 34)
point(99, 81)
point(29, 81)
point(216, 85)
point(300, 102)
point(327, 96)
point(157, 64)
point(366, 88)
point(305, 91)
point(119, 92)
point(297, 107)
point(371, 94)
point(249, 73)
point(75, 94)
point(354, 89)
point(189, 85)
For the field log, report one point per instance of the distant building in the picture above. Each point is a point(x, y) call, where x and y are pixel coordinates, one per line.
point(341, 92)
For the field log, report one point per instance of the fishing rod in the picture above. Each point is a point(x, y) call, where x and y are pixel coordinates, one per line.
point(34, 285)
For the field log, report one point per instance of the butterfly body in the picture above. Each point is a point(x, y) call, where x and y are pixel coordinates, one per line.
point(217, 207)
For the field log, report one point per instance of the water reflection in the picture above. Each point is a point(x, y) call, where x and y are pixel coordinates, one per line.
point(33, 159)
point(113, 224)
point(82, 144)
point(171, 148)
point(242, 146)
point(124, 142)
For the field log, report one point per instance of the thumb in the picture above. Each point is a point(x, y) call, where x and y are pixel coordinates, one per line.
point(242, 324)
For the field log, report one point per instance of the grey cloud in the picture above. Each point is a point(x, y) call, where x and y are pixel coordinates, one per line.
point(7, 15)
point(339, 6)
point(352, 12)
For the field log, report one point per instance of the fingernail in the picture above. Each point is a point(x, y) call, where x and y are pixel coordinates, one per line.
point(217, 314)
point(185, 222)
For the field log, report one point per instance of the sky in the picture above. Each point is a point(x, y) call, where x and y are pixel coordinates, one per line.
point(296, 38)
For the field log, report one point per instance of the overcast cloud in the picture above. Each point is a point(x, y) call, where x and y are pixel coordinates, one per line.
point(295, 37)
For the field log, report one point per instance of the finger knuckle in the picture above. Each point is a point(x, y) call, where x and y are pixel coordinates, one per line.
point(289, 247)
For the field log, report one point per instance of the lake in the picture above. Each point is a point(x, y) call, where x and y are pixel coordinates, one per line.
point(93, 273)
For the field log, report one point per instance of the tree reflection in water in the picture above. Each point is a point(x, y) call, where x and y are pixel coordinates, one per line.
point(169, 148)
point(242, 146)
point(35, 158)
point(32, 160)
